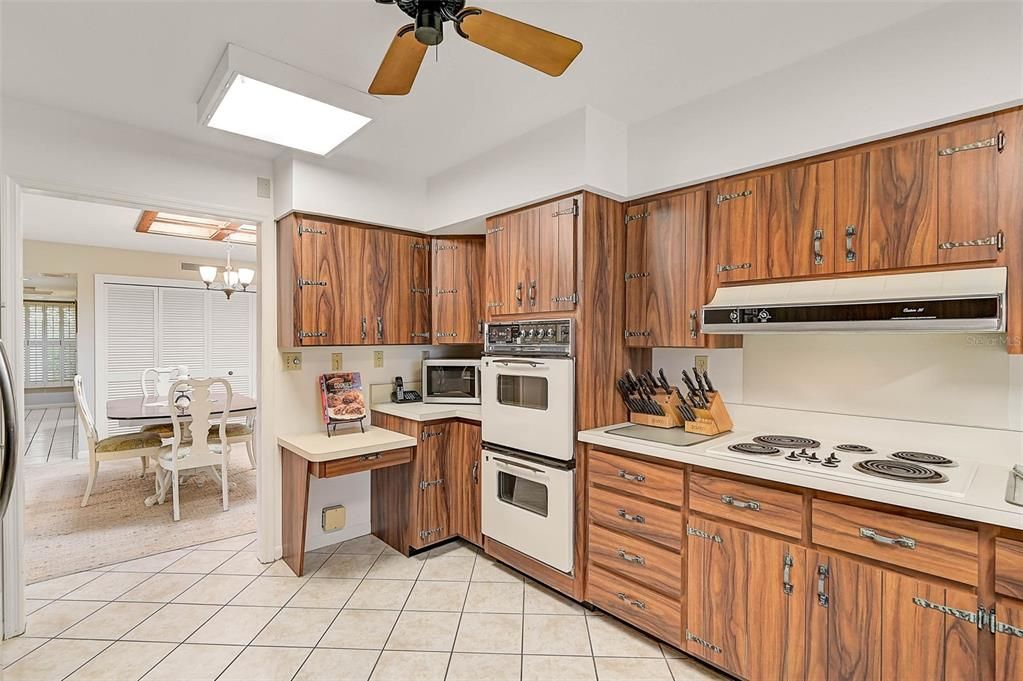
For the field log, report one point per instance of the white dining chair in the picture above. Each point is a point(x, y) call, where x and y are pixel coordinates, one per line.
point(113, 448)
point(162, 379)
point(187, 452)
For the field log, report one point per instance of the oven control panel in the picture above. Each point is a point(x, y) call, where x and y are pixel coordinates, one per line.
point(540, 337)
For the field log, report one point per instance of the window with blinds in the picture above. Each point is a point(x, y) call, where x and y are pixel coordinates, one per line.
point(143, 326)
point(51, 350)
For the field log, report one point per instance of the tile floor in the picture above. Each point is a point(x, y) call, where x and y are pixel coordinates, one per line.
point(52, 434)
point(362, 611)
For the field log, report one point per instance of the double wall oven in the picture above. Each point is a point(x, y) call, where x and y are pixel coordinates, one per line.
point(528, 410)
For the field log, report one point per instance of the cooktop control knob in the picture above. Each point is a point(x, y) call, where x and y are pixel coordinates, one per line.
point(831, 461)
point(813, 458)
point(792, 456)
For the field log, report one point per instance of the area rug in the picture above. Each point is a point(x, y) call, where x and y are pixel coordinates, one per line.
point(61, 537)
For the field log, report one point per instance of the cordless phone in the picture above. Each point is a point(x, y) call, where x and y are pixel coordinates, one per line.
point(400, 395)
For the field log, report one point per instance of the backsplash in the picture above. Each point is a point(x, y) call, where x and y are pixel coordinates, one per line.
point(956, 379)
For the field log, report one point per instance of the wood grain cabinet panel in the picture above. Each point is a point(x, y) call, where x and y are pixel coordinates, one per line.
point(920, 545)
point(903, 204)
point(431, 482)
point(1009, 567)
point(458, 284)
point(801, 220)
point(638, 605)
point(655, 278)
point(465, 501)
point(633, 516)
point(500, 287)
point(747, 503)
point(416, 290)
point(359, 464)
point(555, 277)
point(738, 229)
point(1009, 648)
point(852, 213)
point(638, 560)
point(633, 476)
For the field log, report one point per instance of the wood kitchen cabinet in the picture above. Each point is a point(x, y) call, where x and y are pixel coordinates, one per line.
point(530, 259)
point(458, 313)
point(801, 220)
point(738, 221)
point(464, 491)
point(746, 601)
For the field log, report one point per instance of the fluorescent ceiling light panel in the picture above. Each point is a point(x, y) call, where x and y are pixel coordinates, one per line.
point(258, 97)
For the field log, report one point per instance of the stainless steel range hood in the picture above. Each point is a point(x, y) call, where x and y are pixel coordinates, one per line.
point(948, 301)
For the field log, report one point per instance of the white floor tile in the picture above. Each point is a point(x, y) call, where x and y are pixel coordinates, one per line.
point(611, 638)
point(108, 586)
point(489, 633)
point(58, 616)
point(13, 649)
point(153, 563)
point(241, 563)
point(454, 548)
point(501, 597)
point(162, 587)
point(632, 669)
point(296, 627)
point(323, 593)
point(543, 601)
point(326, 664)
point(60, 586)
point(54, 660)
point(233, 625)
point(269, 591)
point(214, 589)
point(486, 570)
point(380, 594)
point(437, 596)
point(173, 623)
point(402, 666)
point(112, 621)
point(448, 568)
point(426, 631)
point(31, 605)
point(313, 562)
point(194, 662)
point(123, 661)
point(555, 635)
point(476, 666)
point(396, 566)
point(685, 669)
point(548, 668)
point(347, 566)
point(200, 561)
point(265, 664)
point(360, 629)
point(230, 544)
point(366, 544)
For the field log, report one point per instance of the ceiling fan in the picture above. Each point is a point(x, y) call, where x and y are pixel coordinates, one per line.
point(526, 44)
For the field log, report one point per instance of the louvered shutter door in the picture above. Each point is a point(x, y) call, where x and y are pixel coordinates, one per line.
point(183, 329)
point(232, 340)
point(131, 347)
point(69, 343)
point(35, 369)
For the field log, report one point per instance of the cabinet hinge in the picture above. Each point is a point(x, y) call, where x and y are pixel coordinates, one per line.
point(421, 290)
point(629, 276)
point(445, 247)
point(730, 268)
point(690, 636)
point(573, 298)
point(427, 434)
point(425, 334)
point(424, 534)
point(631, 334)
point(442, 291)
point(310, 282)
point(696, 532)
point(998, 142)
point(495, 304)
point(427, 484)
point(637, 216)
point(736, 195)
point(997, 240)
point(302, 229)
point(419, 247)
point(978, 617)
point(574, 210)
point(495, 230)
point(312, 334)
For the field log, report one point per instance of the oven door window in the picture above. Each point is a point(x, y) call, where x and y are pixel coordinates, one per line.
point(451, 382)
point(528, 392)
point(528, 495)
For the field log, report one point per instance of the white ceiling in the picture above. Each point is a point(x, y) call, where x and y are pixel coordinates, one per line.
point(48, 218)
point(146, 63)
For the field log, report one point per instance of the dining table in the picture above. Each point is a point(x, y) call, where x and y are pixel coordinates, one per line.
point(136, 411)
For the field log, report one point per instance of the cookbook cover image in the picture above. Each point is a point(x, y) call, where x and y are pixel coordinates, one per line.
point(341, 395)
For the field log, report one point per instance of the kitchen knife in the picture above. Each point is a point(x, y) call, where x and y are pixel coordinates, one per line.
point(632, 380)
point(689, 382)
point(699, 384)
point(686, 412)
point(706, 381)
point(664, 381)
point(623, 390)
point(652, 382)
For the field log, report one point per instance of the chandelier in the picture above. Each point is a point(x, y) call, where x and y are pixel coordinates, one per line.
point(242, 277)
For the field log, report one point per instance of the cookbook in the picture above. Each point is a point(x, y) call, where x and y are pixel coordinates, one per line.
point(341, 397)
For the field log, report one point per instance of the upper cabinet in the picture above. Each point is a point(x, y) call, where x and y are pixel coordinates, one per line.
point(738, 220)
point(801, 220)
point(531, 260)
point(458, 290)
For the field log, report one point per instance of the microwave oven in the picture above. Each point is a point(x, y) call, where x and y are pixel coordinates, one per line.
point(451, 381)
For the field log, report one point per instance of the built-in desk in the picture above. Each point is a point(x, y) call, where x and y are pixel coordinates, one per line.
point(328, 457)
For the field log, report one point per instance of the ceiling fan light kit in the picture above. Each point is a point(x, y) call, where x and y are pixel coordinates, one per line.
point(535, 47)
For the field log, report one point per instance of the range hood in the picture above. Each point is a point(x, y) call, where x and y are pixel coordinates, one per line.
point(954, 300)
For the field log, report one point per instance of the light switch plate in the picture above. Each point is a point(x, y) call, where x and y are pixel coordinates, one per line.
point(378, 359)
point(333, 518)
point(336, 361)
point(701, 362)
point(292, 361)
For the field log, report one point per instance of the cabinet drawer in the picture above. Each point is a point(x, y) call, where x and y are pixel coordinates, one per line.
point(919, 545)
point(648, 610)
point(755, 505)
point(639, 560)
point(649, 480)
point(636, 517)
point(1009, 567)
point(357, 464)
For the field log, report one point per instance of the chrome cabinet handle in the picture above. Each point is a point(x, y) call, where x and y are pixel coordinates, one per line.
point(850, 252)
point(476, 472)
point(631, 477)
point(732, 501)
point(786, 574)
point(631, 558)
point(631, 601)
point(363, 334)
point(11, 442)
point(818, 254)
point(311, 334)
point(998, 142)
point(369, 457)
point(904, 542)
point(997, 240)
point(822, 595)
point(518, 293)
point(427, 484)
point(692, 323)
point(628, 516)
point(721, 198)
point(380, 327)
point(532, 294)
point(424, 534)
point(729, 268)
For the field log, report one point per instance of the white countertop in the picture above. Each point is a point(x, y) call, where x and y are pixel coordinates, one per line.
point(419, 411)
point(343, 444)
point(982, 501)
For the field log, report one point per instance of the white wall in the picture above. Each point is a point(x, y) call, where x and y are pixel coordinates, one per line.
point(954, 379)
point(955, 59)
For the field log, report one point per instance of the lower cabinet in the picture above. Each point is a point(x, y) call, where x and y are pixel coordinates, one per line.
point(432, 521)
point(1009, 641)
point(463, 482)
point(746, 596)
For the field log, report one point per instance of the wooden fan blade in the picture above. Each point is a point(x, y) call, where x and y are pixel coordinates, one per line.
point(401, 64)
point(526, 44)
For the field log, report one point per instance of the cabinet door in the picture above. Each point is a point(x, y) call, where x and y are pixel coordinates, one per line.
point(903, 204)
point(979, 187)
point(430, 484)
point(358, 286)
point(694, 265)
point(1008, 647)
point(737, 230)
point(801, 221)
point(913, 645)
point(416, 288)
point(523, 259)
point(457, 292)
point(464, 490)
point(320, 295)
point(470, 303)
point(852, 211)
point(555, 273)
point(655, 251)
point(638, 331)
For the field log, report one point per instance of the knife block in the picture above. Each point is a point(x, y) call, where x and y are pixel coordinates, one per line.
point(671, 419)
point(712, 420)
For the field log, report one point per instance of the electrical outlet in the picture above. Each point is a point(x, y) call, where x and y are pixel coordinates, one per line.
point(336, 361)
point(292, 361)
point(378, 359)
point(333, 518)
point(701, 362)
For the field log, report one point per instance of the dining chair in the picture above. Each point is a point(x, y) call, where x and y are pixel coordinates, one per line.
point(187, 452)
point(237, 434)
point(162, 378)
point(113, 448)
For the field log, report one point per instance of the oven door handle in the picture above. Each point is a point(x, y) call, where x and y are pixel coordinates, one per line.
point(532, 364)
point(516, 464)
